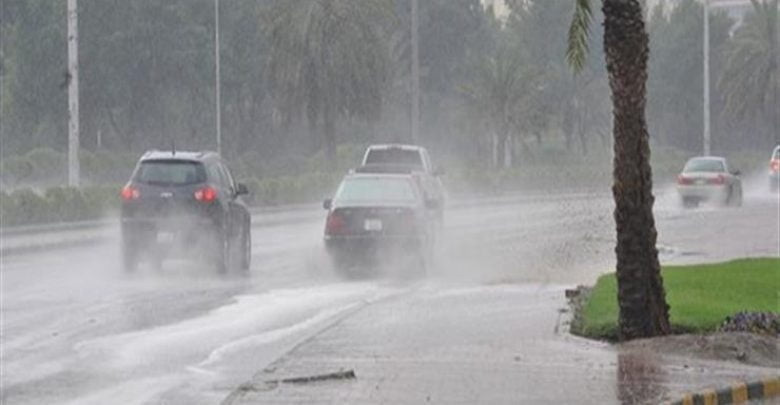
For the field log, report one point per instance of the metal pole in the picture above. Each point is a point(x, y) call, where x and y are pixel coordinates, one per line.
point(415, 74)
point(217, 85)
point(707, 139)
point(73, 94)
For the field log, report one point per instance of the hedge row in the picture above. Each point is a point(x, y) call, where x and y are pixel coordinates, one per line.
point(26, 206)
point(57, 204)
point(291, 189)
point(46, 166)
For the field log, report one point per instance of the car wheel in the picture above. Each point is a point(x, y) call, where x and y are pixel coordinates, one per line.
point(738, 198)
point(246, 250)
point(129, 257)
point(345, 266)
point(221, 254)
point(690, 202)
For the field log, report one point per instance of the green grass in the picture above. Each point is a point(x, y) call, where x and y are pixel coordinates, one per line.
point(700, 296)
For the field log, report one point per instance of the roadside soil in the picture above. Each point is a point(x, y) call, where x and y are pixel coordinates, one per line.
point(742, 347)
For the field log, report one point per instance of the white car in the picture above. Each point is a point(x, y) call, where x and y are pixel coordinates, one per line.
point(709, 179)
point(401, 158)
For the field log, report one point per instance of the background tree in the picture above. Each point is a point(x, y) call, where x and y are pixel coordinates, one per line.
point(675, 86)
point(750, 82)
point(641, 296)
point(328, 59)
point(502, 93)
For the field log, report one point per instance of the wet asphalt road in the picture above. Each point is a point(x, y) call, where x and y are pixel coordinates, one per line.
point(483, 326)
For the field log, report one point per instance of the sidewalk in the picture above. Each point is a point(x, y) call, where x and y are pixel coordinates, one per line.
point(496, 344)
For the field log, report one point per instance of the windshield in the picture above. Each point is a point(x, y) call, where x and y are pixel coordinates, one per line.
point(393, 156)
point(704, 165)
point(170, 172)
point(375, 189)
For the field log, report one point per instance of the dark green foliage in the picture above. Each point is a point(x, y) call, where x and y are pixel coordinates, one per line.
point(147, 80)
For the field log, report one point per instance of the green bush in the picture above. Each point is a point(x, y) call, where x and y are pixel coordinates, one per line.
point(16, 169)
point(26, 207)
point(5, 208)
point(57, 204)
point(66, 204)
point(48, 164)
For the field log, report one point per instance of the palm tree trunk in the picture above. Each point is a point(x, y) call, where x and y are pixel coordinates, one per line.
point(641, 297)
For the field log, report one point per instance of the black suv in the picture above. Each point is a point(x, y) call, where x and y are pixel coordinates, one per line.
point(185, 204)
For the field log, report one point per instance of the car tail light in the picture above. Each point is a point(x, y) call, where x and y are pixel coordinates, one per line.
point(685, 181)
point(206, 194)
point(721, 179)
point(774, 165)
point(335, 224)
point(130, 193)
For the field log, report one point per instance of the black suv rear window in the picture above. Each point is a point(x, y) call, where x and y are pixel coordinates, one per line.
point(393, 156)
point(170, 172)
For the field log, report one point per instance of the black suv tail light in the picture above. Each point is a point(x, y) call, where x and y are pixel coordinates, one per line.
point(130, 193)
point(205, 194)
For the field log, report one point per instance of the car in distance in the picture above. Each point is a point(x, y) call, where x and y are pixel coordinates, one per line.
point(376, 217)
point(708, 178)
point(184, 204)
point(400, 154)
point(402, 158)
point(774, 170)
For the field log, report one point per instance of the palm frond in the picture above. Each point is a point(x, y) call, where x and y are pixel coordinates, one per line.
point(579, 31)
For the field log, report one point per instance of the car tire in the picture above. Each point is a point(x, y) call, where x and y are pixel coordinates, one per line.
point(246, 249)
point(690, 202)
point(734, 197)
point(129, 258)
point(221, 253)
point(738, 198)
point(345, 266)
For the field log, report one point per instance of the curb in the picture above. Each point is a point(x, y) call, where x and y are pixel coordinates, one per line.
point(738, 393)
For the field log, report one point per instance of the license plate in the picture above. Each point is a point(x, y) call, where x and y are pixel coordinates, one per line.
point(701, 181)
point(372, 225)
point(165, 237)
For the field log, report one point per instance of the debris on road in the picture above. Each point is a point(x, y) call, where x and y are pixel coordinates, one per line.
point(338, 375)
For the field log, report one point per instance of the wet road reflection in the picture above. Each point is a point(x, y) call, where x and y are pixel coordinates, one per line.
point(640, 378)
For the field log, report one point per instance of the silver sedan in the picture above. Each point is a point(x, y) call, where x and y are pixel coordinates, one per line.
point(709, 179)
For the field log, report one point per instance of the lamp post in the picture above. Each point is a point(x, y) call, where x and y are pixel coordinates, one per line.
point(217, 76)
point(73, 94)
point(707, 139)
point(415, 124)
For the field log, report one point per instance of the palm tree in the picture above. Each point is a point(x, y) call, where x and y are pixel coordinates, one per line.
point(496, 94)
point(750, 82)
point(328, 60)
point(641, 296)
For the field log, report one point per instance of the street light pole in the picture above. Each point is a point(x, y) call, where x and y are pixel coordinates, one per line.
point(707, 139)
point(415, 124)
point(217, 81)
point(73, 94)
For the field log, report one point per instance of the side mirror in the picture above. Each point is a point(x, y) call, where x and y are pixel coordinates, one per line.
point(439, 171)
point(241, 189)
point(327, 203)
point(736, 173)
point(432, 204)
